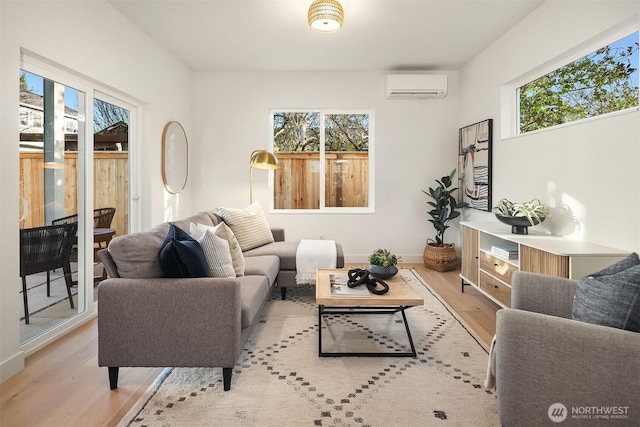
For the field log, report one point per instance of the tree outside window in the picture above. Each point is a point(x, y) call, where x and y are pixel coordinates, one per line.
point(599, 83)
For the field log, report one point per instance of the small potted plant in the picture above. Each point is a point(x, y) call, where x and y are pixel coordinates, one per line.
point(438, 255)
point(382, 264)
point(521, 215)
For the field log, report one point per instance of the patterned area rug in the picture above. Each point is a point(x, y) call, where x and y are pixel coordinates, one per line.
point(280, 380)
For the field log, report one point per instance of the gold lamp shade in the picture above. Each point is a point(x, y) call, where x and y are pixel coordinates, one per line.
point(262, 159)
point(325, 16)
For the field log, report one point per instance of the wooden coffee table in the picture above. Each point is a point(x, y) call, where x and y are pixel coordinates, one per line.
point(400, 297)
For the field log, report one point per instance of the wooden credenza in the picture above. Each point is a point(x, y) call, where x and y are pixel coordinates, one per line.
point(537, 252)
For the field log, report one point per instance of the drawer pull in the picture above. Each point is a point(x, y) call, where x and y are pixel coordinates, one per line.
point(495, 265)
point(495, 286)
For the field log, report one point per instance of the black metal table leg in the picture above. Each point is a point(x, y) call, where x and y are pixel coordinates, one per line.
point(322, 310)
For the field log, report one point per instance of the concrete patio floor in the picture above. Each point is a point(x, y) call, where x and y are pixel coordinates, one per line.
point(47, 312)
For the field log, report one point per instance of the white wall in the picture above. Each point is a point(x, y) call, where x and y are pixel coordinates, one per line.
point(95, 41)
point(592, 166)
point(415, 142)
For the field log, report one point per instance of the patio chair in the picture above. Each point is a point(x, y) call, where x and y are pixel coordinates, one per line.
point(45, 249)
point(102, 218)
point(71, 219)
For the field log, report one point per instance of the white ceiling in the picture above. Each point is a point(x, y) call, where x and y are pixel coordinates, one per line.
point(274, 34)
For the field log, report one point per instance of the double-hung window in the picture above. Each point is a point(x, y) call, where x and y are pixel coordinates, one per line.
point(326, 160)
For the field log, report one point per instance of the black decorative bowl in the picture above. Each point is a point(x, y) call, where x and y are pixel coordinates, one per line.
point(381, 272)
point(519, 224)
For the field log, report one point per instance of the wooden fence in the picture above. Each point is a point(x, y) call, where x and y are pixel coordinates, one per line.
point(110, 186)
point(297, 182)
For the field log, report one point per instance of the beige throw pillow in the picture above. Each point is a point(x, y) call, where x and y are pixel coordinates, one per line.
point(223, 231)
point(217, 254)
point(249, 225)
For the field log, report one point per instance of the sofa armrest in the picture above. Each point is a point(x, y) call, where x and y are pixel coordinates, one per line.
point(169, 322)
point(542, 293)
point(108, 263)
point(278, 234)
point(541, 360)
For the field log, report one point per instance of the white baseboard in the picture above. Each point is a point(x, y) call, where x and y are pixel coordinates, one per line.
point(11, 366)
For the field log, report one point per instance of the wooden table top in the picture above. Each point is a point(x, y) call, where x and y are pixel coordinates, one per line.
point(400, 292)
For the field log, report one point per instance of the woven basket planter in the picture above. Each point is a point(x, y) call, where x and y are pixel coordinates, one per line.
point(440, 258)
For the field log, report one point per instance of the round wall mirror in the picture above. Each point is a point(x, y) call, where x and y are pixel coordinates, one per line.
point(175, 157)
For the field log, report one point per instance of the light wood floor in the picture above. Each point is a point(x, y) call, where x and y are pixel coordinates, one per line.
point(62, 385)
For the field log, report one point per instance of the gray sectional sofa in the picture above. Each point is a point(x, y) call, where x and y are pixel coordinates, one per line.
point(151, 321)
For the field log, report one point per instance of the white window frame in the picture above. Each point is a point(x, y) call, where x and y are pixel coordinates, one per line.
point(509, 97)
point(323, 112)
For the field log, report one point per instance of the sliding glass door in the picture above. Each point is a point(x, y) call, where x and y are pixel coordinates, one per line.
point(53, 145)
point(75, 193)
point(111, 137)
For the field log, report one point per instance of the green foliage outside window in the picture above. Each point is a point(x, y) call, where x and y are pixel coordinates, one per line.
point(347, 132)
point(599, 83)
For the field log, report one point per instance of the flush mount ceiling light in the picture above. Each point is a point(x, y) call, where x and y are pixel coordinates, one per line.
point(325, 16)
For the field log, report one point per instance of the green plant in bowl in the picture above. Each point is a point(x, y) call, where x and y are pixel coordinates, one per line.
point(383, 258)
point(382, 264)
point(521, 215)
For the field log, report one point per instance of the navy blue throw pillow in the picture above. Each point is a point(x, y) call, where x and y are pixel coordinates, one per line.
point(182, 256)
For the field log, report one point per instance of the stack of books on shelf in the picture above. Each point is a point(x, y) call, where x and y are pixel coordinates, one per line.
point(506, 252)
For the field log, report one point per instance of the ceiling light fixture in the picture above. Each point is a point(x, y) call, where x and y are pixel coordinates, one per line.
point(325, 16)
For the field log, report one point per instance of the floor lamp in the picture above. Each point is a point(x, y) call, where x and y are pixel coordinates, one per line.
point(260, 159)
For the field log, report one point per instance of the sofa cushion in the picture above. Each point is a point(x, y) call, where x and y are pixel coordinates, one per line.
point(286, 251)
point(199, 218)
point(249, 225)
point(265, 265)
point(136, 255)
point(253, 293)
point(611, 299)
point(182, 256)
point(223, 231)
point(216, 252)
point(215, 218)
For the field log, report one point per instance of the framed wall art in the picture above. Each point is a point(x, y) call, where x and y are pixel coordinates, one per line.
point(474, 165)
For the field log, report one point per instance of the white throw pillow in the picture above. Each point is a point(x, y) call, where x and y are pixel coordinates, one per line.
point(249, 225)
point(216, 251)
point(223, 231)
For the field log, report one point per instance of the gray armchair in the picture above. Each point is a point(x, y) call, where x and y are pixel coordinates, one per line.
point(542, 357)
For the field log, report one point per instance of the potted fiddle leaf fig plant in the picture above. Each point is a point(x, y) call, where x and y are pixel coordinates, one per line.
point(382, 264)
point(438, 255)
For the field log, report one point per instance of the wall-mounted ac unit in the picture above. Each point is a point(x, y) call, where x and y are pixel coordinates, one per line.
point(417, 86)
